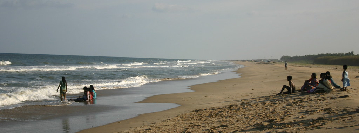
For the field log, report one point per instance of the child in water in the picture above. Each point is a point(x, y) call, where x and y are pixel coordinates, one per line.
point(345, 78)
point(63, 90)
point(290, 88)
point(86, 96)
point(93, 92)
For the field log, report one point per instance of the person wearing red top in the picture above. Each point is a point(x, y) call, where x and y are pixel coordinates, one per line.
point(313, 81)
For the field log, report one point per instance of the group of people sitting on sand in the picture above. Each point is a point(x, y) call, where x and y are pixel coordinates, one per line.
point(89, 94)
point(313, 85)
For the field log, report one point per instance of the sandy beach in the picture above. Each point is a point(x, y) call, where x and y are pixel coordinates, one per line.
point(250, 104)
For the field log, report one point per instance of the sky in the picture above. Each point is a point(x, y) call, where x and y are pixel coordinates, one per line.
point(180, 29)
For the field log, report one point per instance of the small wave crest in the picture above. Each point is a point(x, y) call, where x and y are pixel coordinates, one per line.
point(116, 84)
point(135, 64)
point(24, 94)
point(199, 75)
point(56, 68)
point(4, 63)
point(49, 92)
point(136, 81)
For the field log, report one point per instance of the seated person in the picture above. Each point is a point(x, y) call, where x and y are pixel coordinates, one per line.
point(324, 85)
point(92, 92)
point(313, 80)
point(311, 83)
point(307, 86)
point(327, 82)
point(290, 88)
point(331, 80)
point(85, 97)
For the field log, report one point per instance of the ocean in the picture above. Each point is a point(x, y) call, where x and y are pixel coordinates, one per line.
point(31, 80)
point(27, 79)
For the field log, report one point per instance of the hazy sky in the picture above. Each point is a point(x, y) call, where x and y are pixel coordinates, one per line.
point(194, 29)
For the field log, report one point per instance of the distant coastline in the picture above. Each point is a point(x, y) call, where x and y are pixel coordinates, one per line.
point(326, 59)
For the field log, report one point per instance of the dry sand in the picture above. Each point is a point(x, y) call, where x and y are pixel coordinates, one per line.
point(250, 104)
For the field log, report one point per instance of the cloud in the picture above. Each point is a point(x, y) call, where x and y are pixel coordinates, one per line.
point(34, 4)
point(161, 7)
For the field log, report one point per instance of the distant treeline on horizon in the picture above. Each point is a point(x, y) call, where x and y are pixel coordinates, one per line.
point(328, 59)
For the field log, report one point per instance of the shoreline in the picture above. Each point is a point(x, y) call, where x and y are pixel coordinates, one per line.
point(148, 118)
point(112, 105)
point(258, 82)
point(177, 98)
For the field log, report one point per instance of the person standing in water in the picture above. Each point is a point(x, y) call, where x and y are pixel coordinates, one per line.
point(63, 90)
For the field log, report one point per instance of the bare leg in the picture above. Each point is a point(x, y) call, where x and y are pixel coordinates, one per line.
point(61, 96)
point(284, 86)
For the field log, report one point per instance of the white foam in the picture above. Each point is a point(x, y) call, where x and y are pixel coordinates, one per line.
point(4, 63)
point(36, 68)
point(106, 66)
point(162, 64)
point(115, 84)
point(203, 62)
point(208, 74)
point(189, 77)
point(178, 61)
point(134, 64)
point(49, 92)
point(56, 68)
point(188, 63)
point(25, 94)
point(197, 76)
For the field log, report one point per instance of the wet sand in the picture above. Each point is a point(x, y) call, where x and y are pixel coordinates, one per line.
point(250, 104)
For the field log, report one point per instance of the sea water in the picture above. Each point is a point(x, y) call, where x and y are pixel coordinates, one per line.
point(32, 79)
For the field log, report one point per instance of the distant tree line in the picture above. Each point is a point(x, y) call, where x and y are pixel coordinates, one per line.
point(328, 59)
